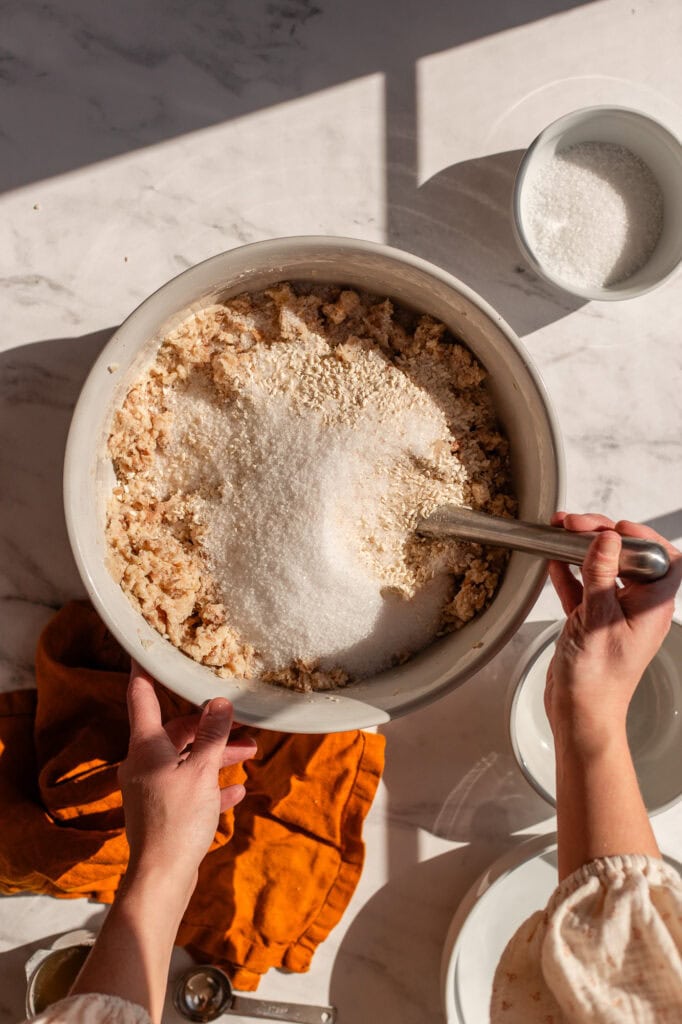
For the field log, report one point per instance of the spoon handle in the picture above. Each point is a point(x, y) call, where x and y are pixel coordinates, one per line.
point(643, 560)
point(265, 1009)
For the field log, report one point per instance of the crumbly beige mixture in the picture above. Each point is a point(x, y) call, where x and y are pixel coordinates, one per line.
point(344, 362)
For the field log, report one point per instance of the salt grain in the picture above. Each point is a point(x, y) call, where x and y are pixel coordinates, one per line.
point(593, 214)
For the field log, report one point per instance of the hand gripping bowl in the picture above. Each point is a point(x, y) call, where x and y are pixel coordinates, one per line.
point(523, 409)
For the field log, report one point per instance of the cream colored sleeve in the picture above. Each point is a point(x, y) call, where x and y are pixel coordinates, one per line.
point(607, 950)
point(93, 1009)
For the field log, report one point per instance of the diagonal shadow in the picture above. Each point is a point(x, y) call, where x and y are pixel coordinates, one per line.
point(461, 220)
point(668, 525)
point(13, 960)
point(90, 80)
point(470, 789)
point(449, 772)
point(39, 385)
point(388, 963)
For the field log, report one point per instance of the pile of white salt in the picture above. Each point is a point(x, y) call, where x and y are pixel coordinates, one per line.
point(284, 499)
point(593, 214)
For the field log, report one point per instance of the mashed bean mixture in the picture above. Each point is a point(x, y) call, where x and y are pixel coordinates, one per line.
point(271, 466)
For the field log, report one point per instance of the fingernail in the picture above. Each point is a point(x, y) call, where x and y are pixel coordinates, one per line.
point(219, 708)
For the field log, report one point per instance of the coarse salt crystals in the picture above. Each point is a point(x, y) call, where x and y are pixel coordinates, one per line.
point(593, 214)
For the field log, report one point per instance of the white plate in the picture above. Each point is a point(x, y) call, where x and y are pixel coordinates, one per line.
point(654, 724)
point(513, 888)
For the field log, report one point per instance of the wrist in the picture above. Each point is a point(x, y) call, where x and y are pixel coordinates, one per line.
point(132, 954)
point(588, 739)
point(149, 886)
point(584, 722)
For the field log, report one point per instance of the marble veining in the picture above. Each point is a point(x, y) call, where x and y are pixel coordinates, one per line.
point(137, 140)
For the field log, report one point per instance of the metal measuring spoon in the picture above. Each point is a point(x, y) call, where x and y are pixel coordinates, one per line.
point(639, 559)
point(205, 992)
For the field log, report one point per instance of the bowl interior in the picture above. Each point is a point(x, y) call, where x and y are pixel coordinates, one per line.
point(654, 724)
point(523, 410)
point(644, 137)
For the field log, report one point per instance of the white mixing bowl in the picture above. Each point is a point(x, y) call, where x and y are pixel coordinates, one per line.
point(524, 412)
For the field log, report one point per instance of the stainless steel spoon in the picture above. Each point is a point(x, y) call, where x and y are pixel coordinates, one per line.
point(205, 992)
point(643, 560)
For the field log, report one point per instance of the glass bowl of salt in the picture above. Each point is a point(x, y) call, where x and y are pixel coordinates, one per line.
point(597, 206)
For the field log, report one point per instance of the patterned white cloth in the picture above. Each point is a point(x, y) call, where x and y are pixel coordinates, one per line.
point(606, 950)
point(93, 1009)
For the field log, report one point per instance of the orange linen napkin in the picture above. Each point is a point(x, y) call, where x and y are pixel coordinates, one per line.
point(284, 862)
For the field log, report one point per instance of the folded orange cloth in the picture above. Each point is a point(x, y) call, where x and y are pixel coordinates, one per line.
point(284, 863)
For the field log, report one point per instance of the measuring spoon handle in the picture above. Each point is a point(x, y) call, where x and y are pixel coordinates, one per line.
point(265, 1009)
point(643, 560)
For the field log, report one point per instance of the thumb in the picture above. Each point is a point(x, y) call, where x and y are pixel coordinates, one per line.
point(212, 733)
point(599, 572)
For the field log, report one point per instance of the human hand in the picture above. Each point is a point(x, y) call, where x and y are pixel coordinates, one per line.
point(611, 634)
point(169, 780)
point(171, 800)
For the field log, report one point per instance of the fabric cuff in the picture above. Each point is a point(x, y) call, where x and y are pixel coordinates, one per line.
point(612, 871)
point(93, 1008)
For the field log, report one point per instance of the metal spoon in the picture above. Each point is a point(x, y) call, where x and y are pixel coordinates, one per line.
point(205, 992)
point(643, 560)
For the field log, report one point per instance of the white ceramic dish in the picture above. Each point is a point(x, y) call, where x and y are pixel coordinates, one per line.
point(515, 886)
point(649, 140)
point(524, 411)
point(654, 722)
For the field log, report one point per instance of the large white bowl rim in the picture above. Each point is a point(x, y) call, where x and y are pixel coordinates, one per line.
point(524, 410)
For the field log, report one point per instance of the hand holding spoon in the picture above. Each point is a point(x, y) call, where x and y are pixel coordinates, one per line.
point(642, 560)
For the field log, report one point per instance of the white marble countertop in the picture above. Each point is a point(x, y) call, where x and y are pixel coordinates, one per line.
point(138, 139)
